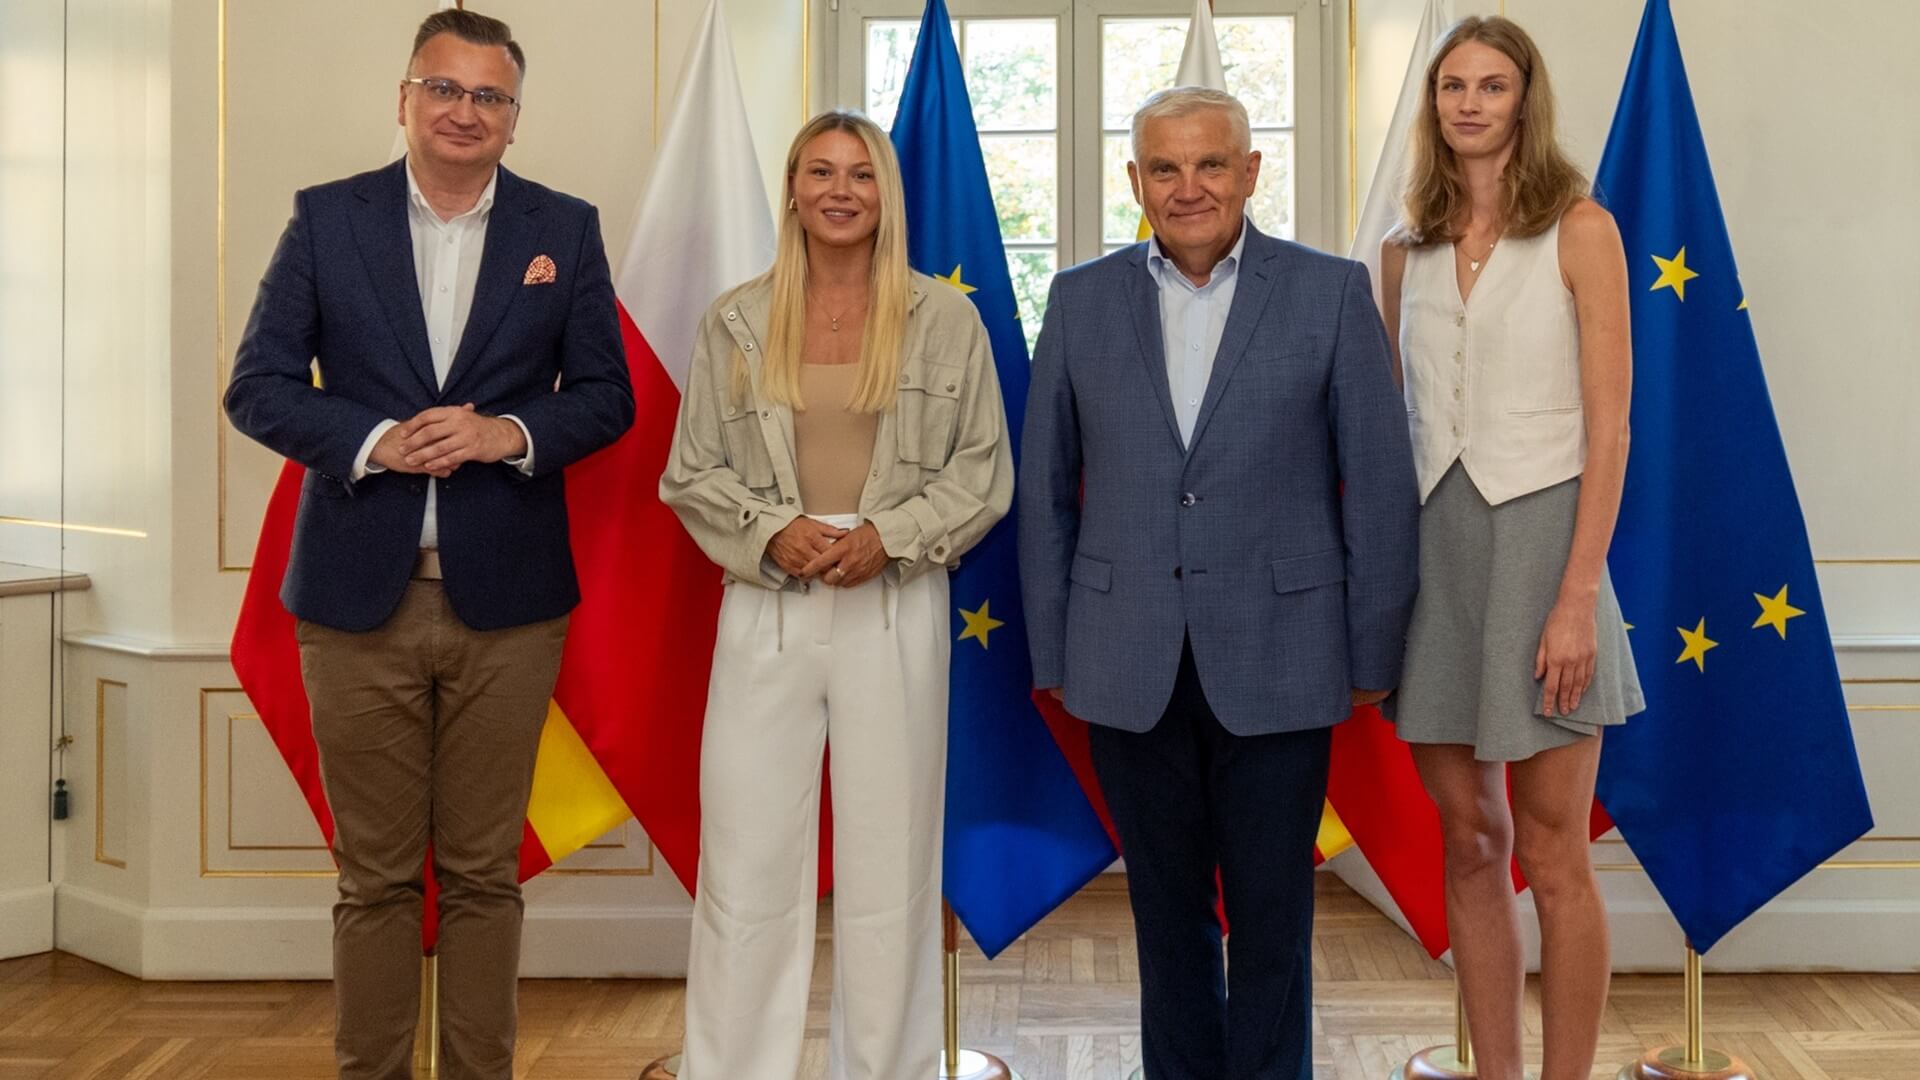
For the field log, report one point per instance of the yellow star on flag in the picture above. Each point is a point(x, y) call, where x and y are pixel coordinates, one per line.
point(1775, 612)
point(1743, 304)
point(953, 279)
point(979, 624)
point(1697, 645)
point(1674, 274)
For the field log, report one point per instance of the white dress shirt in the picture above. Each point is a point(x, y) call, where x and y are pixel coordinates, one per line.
point(446, 263)
point(1192, 318)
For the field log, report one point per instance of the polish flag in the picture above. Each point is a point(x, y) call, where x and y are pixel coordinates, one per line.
point(640, 647)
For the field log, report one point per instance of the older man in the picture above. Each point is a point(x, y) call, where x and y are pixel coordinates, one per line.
point(1217, 549)
point(463, 319)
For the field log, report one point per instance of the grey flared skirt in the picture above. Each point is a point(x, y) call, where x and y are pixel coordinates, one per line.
point(1488, 579)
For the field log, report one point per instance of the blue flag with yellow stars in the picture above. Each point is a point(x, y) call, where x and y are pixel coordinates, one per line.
point(1741, 775)
point(1021, 836)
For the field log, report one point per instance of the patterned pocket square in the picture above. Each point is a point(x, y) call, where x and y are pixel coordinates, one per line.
point(540, 271)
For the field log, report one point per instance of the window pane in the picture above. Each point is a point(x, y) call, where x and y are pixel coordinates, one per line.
point(889, 50)
point(1119, 214)
point(1272, 204)
point(1137, 57)
point(1032, 271)
point(1257, 55)
point(1023, 172)
point(1011, 74)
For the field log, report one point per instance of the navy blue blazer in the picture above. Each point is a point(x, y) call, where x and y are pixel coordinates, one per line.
point(341, 288)
point(1291, 591)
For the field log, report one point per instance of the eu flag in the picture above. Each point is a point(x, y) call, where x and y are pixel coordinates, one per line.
point(1021, 836)
point(1741, 775)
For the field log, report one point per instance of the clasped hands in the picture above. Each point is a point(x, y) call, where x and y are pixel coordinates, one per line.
point(807, 548)
point(441, 439)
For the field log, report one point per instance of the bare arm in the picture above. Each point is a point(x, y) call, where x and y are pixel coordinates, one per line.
point(1393, 267)
point(1594, 267)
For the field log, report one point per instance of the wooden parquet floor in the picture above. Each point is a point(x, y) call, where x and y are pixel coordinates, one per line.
point(1058, 1005)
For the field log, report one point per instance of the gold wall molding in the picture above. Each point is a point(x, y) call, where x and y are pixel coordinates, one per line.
point(206, 869)
point(100, 772)
point(1868, 562)
point(231, 844)
point(606, 871)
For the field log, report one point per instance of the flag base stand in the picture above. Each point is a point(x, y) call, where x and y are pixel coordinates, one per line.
point(1435, 1063)
point(1694, 1061)
point(1444, 1062)
point(426, 1031)
point(974, 1065)
point(664, 1069)
point(1672, 1063)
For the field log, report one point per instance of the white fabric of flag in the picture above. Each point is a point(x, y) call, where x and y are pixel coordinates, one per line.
point(704, 224)
point(1199, 66)
point(1381, 211)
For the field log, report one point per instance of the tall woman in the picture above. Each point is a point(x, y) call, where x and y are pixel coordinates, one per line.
point(1506, 290)
point(841, 443)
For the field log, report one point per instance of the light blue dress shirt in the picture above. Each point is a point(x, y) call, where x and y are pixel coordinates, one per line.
point(1192, 318)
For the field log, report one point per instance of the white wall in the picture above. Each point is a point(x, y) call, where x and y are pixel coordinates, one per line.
point(1806, 114)
point(190, 852)
point(32, 177)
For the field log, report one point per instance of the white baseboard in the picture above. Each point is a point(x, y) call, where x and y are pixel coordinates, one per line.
point(1827, 934)
point(296, 943)
point(195, 943)
point(26, 921)
point(104, 929)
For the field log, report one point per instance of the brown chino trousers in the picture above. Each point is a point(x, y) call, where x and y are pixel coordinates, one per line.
point(427, 729)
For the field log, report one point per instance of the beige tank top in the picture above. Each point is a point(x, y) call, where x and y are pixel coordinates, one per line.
point(832, 444)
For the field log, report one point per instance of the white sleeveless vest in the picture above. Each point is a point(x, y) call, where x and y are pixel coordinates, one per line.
point(1493, 381)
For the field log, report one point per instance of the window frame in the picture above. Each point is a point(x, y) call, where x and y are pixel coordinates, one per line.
point(1077, 39)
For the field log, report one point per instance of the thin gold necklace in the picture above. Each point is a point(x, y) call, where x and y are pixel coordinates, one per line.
point(1473, 264)
point(833, 321)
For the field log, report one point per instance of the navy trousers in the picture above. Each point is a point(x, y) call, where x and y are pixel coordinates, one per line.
point(1188, 797)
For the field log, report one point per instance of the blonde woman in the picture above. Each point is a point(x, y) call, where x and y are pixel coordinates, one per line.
point(841, 443)
point(1506, 290)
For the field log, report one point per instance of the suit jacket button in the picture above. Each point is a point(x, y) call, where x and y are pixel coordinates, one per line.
point(1188, 498)
point(1177, 574)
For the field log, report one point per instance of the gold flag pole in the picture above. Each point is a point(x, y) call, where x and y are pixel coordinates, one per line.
point(426, 1033)
point(1444, 1062)
point(1695, 1060)
point(956, 1063)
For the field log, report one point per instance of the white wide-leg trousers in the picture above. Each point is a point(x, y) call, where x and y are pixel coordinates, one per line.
point(864, 669)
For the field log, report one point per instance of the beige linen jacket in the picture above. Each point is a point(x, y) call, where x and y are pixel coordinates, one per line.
point(942, 469)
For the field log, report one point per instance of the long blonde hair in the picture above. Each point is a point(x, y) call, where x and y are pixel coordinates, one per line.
point(889, 283)
point(1539, 182)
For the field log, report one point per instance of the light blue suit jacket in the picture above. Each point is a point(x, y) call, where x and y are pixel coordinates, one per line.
point(1291, 589)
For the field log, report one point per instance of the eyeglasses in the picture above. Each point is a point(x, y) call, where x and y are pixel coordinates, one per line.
point(446, 92)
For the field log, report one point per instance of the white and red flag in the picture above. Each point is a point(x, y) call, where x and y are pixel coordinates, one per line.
point(641, 643)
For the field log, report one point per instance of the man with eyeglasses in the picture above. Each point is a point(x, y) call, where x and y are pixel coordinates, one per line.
point(468, 350)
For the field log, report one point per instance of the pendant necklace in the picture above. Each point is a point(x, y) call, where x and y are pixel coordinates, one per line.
point(833, 321)
point(1473, 264)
